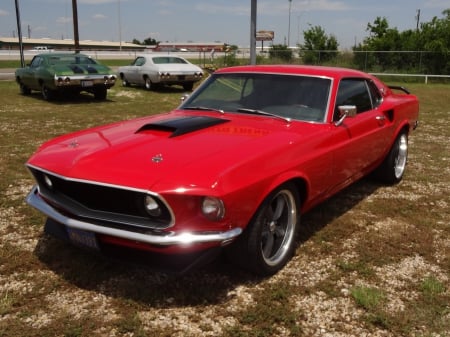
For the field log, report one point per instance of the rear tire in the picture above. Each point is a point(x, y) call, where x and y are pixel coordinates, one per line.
point(268, 242)
point(188, 86)
point(100, 93)
point(148, 84)
point(47, 93)
point(393, 167)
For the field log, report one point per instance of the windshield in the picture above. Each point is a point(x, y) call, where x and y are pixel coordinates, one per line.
point(295, 97)
point(71, 59)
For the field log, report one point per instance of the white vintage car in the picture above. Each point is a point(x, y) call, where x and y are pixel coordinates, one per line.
point(153, 71)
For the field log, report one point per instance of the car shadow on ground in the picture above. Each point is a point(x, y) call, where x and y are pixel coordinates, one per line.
point(81, 98)
point(134, 277)
point(163, 89)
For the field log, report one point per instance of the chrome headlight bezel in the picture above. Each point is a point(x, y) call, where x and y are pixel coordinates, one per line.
point(152, 206)
point(213, 208)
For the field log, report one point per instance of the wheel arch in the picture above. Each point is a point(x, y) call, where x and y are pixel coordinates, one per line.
point(404, 127)
point(300, 181)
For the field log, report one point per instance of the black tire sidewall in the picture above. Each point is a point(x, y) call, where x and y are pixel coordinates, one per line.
point(246, 251)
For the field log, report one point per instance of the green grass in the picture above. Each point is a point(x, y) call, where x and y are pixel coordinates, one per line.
point(351, 251)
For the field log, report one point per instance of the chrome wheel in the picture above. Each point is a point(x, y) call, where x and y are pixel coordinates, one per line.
point(148, 84)
point(393, 167)
point(401, 157)
point(268, 241)
point(279, 219)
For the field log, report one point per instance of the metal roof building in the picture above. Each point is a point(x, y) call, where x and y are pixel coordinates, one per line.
point(12, 43)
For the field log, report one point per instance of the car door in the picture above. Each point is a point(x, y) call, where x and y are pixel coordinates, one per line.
point(134, 75)
point(360, 140)
point(29, 73)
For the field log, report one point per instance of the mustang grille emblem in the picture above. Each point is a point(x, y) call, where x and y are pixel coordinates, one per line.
point(157, 158)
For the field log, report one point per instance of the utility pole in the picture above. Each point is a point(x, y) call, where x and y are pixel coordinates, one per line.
point(289, 24)
point(19, 32)
point(75, 26)
point(120, 25)
point(417, 19)
point(253, 33)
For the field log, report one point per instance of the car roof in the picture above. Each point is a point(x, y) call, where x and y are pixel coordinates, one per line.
point(332, 72)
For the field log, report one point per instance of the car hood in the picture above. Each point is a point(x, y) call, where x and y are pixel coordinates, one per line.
point(174, 150)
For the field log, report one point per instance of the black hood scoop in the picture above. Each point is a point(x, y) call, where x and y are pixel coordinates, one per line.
point(183, 125)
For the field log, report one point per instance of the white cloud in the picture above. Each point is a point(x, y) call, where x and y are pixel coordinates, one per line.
point(99, 17)
point(3, 12)
point(63, 20)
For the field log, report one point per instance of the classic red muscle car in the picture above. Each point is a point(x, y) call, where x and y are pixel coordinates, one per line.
point(234, 166)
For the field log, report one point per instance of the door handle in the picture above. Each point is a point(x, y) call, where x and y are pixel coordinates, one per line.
point(381, 120)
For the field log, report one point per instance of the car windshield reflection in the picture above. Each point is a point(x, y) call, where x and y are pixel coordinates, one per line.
point(292, 97)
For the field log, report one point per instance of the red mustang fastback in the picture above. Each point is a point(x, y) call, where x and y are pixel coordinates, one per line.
point(234, 166)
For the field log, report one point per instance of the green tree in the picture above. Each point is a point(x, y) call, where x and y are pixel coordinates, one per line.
point(150, 42)
point(421, 50)
point(434, 41)
point(382, 39)
point(318, 47)
point(280, 51)
point(147, 42)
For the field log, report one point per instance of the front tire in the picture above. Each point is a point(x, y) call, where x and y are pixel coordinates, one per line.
point(125, 82)
point(24, 90)
point(393, 167)
point(269, 240)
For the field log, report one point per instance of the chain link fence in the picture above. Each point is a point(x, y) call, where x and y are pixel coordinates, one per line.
point(410, 65)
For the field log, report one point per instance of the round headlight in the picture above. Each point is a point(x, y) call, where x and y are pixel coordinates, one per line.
point(152, 206)
point(213, 208)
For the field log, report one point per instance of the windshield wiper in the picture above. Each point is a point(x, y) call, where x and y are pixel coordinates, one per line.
point(265, 113)
point(204, 108)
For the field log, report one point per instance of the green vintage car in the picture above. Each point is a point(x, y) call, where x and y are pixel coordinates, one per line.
point(64, 73)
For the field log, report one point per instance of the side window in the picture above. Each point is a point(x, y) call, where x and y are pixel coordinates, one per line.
point(354, 92)
point(375, 93)
point(36, 62)
point(139, 61)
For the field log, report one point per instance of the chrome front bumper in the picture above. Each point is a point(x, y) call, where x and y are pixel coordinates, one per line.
point(162, 239)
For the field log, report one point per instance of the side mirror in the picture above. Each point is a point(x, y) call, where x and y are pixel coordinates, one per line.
point(344, 112)
point(184, 97)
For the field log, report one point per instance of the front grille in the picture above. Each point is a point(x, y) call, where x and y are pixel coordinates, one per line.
point(99, 202)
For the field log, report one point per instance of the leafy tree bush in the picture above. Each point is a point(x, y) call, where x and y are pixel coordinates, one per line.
point(318, 47)
point(280, 51)
point(424, 50)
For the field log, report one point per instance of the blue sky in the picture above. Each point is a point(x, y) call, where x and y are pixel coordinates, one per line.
point(226, 21)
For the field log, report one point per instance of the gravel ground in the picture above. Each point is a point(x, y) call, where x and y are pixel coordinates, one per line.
point(50, 290)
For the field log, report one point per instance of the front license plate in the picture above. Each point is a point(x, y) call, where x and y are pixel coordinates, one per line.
point(87, 84)
point(83, 238)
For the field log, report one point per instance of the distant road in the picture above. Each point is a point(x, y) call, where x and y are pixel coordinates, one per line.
point(6, 74)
